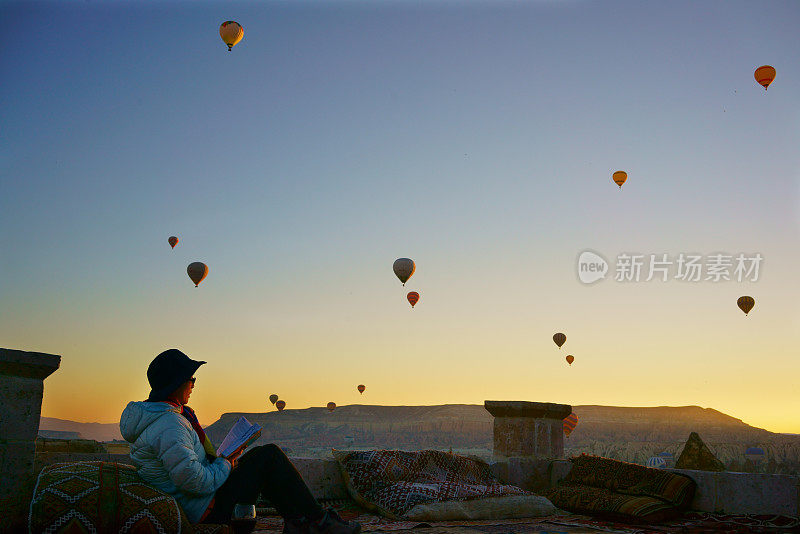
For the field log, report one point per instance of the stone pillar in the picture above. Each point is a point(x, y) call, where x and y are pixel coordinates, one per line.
point(22, 377)
point(528, 429)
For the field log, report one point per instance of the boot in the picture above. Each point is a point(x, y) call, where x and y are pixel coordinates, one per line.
point(331, 523)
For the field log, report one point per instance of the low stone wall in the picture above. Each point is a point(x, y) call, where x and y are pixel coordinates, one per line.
point(719, 492)
point(726, 492)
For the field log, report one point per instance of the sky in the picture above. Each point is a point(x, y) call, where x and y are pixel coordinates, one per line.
point(477, 138)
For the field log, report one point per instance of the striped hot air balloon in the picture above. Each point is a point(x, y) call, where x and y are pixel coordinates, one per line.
point(361, 388)
point(280, 405)
point(172, 241)
point(619, 178)
point(570, 422)
point(331, 406)
point(559, 339)
point(657, 461)
point(413, 298)
point(668, 457)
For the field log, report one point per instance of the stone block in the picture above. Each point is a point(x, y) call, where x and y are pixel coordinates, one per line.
point(558, 471)
point(533, 429)
point(20, 407)
point(16, 481)
point(322, 476)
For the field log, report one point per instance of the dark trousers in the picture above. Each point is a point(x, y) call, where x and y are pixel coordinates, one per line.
point(266, 470)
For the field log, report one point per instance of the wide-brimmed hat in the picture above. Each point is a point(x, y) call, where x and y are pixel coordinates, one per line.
point(168, 371)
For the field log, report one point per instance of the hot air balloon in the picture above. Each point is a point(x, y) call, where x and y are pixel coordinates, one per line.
point(570, 422)
point(280, 405)
point(559, 339)
point(403, 268)
point(746, 304)
point(764, 75)
point(231, 33)
point(273, 398)
point(570, 359)
point(361, 388)
point(172, 241)
point(657, 462)
point(331, 406)
point(619, 178)
point(413, 297)
point(197, 272)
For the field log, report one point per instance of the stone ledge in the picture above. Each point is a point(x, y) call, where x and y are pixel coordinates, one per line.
point(539, 410)
point(28, 364)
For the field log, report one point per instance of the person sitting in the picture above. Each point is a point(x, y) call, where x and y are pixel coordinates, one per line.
point(172, 453)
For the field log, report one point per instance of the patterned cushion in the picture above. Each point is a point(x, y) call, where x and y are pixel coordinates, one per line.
point(632, 479)
point(603, 502)
point(91, 497)
point(393, 482)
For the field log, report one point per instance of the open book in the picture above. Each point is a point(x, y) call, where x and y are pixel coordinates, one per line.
point(241, 435)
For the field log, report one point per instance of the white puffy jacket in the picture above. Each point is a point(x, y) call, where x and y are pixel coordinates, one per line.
point(169, 456)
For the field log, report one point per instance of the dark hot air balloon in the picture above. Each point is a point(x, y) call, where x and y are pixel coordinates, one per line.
point(413, 298)
point(331, 406)
point(403, 268)
point(570, 359)
point(172, 241)
point(559, 339)
point(197, 271)
point(746, 304)
point(280, 405)
point(273, 398)
point(361, 388)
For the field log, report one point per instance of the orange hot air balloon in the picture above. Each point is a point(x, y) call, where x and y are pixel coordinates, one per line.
point(570, 422)
point(413, 298)
point(361, 388)
point(172, 241)
point(619, 178)
point(273, 398)
point(197, 271)
point(231, 33)
point(570, 359)
point(331, 406)
point(559, 339)
point(746, 304)
point(764, 75)
point(280, 405)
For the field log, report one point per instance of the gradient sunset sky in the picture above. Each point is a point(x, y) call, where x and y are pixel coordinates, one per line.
point(477, 138)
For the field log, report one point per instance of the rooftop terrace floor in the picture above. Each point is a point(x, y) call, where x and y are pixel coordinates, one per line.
point(689, 523)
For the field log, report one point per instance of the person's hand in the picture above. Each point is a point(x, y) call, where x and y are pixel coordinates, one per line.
point(233, 458)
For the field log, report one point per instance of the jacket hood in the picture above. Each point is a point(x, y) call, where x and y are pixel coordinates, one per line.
point(137, 416)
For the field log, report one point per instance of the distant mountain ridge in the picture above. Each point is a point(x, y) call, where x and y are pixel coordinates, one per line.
point(627, 433)
point(95, 431)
